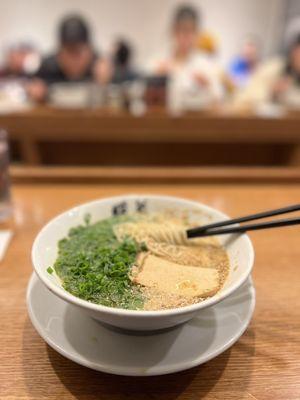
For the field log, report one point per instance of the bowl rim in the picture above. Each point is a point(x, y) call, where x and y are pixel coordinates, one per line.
point(63, 294)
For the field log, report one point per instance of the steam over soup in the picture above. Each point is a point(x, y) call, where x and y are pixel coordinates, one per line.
point(140, 262)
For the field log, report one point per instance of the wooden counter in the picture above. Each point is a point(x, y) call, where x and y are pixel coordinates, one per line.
point(263, 364)
point(157, 126)
point(155, 138)
point(159, 175)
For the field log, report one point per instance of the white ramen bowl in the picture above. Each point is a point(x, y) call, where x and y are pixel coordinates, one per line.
point(44, 253)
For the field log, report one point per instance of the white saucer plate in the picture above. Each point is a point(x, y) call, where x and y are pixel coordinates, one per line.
point(78, 337)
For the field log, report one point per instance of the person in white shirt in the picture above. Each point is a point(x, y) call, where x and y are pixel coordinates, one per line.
point(194, 80)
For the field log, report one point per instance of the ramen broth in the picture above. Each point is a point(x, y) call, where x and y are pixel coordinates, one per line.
point(140, 262)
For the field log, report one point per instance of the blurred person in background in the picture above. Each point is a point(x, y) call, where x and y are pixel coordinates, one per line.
point(74, 61)
point(286, 89)
point(277, 80)
point(121, 63)
point(208, 43)
point(245, 63)
point(21, 59)
point(194, 80)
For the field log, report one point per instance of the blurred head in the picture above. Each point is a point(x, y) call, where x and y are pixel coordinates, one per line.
point(75, 52)
point(122, 53)
point(16, 56)
point(294, 56)
point(185, 29)
point(250, 51)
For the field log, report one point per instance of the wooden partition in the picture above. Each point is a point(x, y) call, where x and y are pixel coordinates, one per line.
point(97, 137)
point(144, 175)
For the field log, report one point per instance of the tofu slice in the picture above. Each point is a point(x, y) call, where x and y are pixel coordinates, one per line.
point(172, 278)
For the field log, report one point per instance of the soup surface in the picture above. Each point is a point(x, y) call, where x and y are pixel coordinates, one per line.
point(140, 262)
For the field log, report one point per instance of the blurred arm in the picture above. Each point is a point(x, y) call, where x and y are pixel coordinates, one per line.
point(103, 71)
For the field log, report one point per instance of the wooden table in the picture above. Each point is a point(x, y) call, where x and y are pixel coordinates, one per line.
point(47, 135)
point(264, 364)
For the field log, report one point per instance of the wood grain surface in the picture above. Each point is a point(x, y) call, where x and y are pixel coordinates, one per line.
point(160, 138)
point(92, 124)
point(221, 175)
point(263, 364)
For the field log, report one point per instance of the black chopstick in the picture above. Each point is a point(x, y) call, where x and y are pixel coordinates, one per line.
point(251, 227)
point(195, 232)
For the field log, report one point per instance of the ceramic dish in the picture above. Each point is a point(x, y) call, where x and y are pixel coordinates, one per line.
point(44, 253)
point(85, 341)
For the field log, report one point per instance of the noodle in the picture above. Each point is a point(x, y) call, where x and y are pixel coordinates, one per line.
point(175, 271)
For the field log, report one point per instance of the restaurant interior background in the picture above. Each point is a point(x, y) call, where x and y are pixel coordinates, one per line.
point(166, 84)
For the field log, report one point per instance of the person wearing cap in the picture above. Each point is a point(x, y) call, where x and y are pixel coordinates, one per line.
point(75, 60)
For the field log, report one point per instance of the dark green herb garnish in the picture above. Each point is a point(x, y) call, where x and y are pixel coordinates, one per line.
point(50, 270)
point(95, 266)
